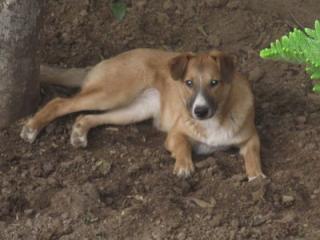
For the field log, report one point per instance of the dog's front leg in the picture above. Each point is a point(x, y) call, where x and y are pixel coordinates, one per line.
point(251, 154)
point(179, 146)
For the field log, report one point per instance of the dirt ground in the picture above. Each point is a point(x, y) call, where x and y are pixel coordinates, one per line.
point(122, 186)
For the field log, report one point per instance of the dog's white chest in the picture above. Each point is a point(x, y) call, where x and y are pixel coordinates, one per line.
point(216, 134)
point(217, 137)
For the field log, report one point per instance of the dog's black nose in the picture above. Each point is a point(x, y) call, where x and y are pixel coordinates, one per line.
point(201, 112)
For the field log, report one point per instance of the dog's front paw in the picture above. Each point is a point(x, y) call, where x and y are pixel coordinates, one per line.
point(183, 168)
point(29, 134)
point(78, 137)
point(252, 178)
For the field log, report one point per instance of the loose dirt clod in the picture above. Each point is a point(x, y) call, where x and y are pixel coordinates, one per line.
point(256, 74)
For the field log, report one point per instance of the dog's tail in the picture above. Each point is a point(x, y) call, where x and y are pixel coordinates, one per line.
point(71, 77)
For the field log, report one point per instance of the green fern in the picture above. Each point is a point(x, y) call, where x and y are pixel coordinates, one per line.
point(299, 47)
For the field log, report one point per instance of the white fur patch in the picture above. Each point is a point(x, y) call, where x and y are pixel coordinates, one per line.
point(148, 102)
point(199, 101)
point(148, 105)
point(78, 138)
point(145, 106)
point(255, 177)
point(218, 137)
point(202, 148)
point(29, 134)
point(182, 172)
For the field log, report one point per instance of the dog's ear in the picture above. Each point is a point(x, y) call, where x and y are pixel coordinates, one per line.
point(178, 65)
point(225, 64)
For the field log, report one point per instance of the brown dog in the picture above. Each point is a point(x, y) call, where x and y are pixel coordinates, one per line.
point(198, 99)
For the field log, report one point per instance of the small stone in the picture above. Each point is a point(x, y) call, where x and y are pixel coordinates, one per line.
point(156, 235)
point(234, 4)
point(205, 163)
point(79, 158)
point(239, 178)
point(310, 146)
point(91, 190)
point(24, 174)
point(235, 223)
point(314, 97)
point(162, 18)
point(181, 236)
point(83, 13)
point(287, 200)
point(216, 3)
point(52, 181)
point(203, 204)
point(134, 130)
point(258, 220)
point(104, 167)
point(167, 4)
point(112, 152)
point(141, 3)
point(288, 217)
point(50, 128)
point(301, 119)
point(133, 169)
point(108, 201)
point(216, 220)
point(242, 230)
point(146, 152)
point(232, 234)
point(258, 195)
point(29, 212)
point(29, 223)
point(48, 168)
point(265, 105)
point(214, 40)
point(54, 145)
point(112, 129)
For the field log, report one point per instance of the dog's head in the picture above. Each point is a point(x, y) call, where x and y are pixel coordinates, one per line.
point(205, 81)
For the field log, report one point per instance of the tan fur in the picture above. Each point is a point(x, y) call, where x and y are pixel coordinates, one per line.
point(144, 83)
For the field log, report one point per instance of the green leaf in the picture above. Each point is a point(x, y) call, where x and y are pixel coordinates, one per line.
point(298, 47)
point(310, 32)
point(119, 10)
point(315, 75)
point(316, 88)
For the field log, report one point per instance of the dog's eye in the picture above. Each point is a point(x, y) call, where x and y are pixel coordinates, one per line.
point(189, 83)
point(214, 83)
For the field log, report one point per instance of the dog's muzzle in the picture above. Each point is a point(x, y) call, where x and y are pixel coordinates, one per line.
point(202, 108)
point(202, 112)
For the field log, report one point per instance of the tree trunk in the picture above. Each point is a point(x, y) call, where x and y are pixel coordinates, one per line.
point(19, 67)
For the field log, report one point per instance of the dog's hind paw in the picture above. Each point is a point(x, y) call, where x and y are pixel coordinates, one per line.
point(78, 139)
point(261, 175)
point(29, 134)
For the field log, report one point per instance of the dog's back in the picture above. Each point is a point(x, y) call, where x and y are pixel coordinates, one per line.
point(137, 59)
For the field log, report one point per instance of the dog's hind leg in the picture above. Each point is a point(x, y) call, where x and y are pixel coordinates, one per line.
point(145, 106)
point(88, 99)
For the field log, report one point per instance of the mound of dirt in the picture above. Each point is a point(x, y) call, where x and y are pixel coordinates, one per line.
point(122, 186)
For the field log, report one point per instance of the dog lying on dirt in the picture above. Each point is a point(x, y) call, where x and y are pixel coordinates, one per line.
point(198, 99)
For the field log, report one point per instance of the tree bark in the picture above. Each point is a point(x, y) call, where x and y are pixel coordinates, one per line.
point(19, 67)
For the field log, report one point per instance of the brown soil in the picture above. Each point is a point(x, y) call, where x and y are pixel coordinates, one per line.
point(122, 186)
